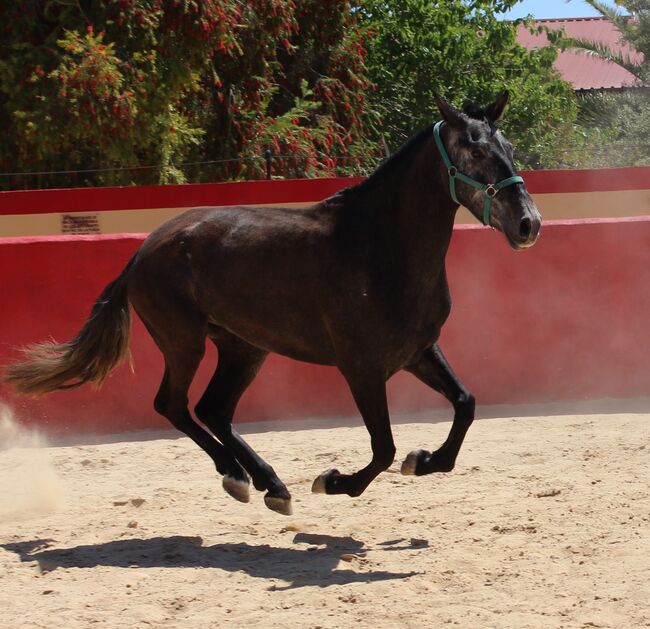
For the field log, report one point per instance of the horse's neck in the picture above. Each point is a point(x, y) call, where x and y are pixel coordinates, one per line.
point(420, 216)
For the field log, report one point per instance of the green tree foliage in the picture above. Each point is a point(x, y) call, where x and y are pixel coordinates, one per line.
point(200, 89)
point(130, 83)
point(460, 48)
point(615, 130)
point(615, 126)
point(299, 88)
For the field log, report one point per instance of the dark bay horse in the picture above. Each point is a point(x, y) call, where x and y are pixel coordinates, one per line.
point(356, 281)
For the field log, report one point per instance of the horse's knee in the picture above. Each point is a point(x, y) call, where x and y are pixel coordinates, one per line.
point(465, 406)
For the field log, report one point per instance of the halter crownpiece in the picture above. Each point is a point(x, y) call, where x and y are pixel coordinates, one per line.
point(490, 189)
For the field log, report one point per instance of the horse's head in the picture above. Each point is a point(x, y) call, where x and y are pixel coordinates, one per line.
point(481, 172)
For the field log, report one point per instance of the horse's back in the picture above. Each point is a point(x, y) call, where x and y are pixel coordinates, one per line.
point(256, 271)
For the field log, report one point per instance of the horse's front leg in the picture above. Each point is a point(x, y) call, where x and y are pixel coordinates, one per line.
point(433, 369)
point(369, 392)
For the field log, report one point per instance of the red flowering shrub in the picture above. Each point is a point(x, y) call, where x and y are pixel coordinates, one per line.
point(124, 84)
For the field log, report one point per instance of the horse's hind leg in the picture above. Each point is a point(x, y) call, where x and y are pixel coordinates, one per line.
point(182, 358)
point(432, 369)
point(238, 365)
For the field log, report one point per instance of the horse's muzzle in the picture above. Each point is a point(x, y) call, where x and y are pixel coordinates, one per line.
point(526, 233)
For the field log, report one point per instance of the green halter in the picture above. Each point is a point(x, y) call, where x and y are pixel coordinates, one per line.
point(491, 189)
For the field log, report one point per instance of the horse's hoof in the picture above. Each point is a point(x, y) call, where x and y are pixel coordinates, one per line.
point(281, 505)
point(319, 486)
point(238, 489)
point(411, 462)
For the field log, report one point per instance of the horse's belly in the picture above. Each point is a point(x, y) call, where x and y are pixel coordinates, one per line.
point(309, 343)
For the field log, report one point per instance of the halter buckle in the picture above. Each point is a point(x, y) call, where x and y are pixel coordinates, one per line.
point(491, 191)
point(453, 171)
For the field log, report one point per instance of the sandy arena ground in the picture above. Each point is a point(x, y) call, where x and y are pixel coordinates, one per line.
point(545, 522)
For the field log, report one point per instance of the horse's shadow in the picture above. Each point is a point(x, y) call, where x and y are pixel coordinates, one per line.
point(315, 564)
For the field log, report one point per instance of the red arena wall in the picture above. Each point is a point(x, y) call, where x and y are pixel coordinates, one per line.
point(566, 320)
point(560, 195)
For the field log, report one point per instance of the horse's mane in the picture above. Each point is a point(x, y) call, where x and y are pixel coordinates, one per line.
point(391, 163)
point(472, 110)
point(388, 166)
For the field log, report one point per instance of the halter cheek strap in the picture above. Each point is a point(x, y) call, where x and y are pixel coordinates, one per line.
point(490, 189)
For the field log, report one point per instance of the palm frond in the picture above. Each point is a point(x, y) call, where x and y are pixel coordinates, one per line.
point(603, 51)
point(621, 20)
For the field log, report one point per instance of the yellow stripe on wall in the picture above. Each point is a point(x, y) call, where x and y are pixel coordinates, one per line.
point(556, 206)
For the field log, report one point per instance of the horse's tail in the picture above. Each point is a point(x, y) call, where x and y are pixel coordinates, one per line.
point(101, 344)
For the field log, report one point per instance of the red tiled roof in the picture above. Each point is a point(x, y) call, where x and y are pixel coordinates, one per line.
point(584, 71)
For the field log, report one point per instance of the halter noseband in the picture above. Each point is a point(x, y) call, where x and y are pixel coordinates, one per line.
point(490, 189)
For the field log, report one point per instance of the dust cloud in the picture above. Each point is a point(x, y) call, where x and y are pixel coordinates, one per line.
point(29, 485)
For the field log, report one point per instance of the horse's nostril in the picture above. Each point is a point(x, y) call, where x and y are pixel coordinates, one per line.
point(525, 228)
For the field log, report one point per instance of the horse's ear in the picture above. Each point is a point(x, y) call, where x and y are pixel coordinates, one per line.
point(495, 110)
point(450, 114)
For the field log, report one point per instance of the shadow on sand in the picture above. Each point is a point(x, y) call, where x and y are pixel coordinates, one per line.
point(315, 564)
